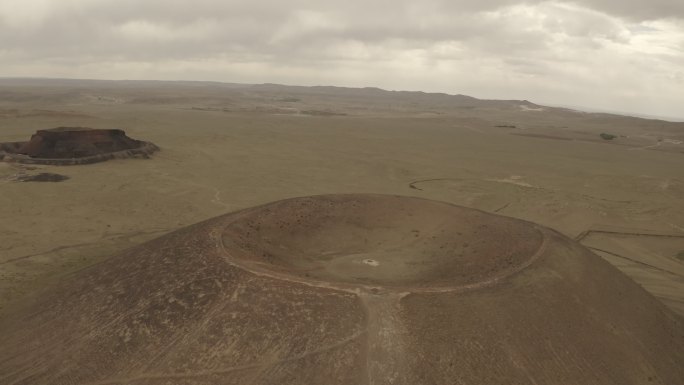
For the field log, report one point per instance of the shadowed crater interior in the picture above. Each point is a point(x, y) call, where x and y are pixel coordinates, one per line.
point(380, 240)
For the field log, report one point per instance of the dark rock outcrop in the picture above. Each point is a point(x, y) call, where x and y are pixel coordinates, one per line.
point(75, 145)
point(42, 177)
point(76, 142)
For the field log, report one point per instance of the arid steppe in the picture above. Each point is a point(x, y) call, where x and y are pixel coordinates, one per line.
point(225, 147)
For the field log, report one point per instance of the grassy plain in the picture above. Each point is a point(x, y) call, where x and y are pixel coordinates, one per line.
point(225, 147)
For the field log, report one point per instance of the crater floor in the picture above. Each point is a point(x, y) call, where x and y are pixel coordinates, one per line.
point(377, 240)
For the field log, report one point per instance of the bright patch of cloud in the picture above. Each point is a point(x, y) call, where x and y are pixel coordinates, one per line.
point(613, 54)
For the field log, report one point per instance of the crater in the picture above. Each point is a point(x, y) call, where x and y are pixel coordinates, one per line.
point(379, 240)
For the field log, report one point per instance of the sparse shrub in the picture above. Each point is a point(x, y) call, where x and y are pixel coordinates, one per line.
point(680, 256)
point(605, 136)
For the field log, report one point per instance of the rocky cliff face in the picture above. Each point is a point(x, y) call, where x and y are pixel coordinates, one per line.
point(64, 146)
point(76, 142)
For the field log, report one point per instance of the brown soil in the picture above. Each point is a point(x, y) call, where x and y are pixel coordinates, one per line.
point(381, 240)
point(348, 289)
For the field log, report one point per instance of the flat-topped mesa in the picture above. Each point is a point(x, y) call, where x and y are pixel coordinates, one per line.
point(77, 142)
point(75, 145)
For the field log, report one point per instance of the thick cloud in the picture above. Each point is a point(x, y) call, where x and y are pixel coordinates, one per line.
point(623, 55)
point(638, 10)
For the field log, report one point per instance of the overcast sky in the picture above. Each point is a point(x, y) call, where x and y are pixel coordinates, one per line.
point(623, 55)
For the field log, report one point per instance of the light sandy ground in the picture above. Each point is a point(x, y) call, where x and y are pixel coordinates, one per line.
point(224, 148)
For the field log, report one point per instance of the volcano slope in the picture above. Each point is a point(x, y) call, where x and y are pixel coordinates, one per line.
point(348, 289)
